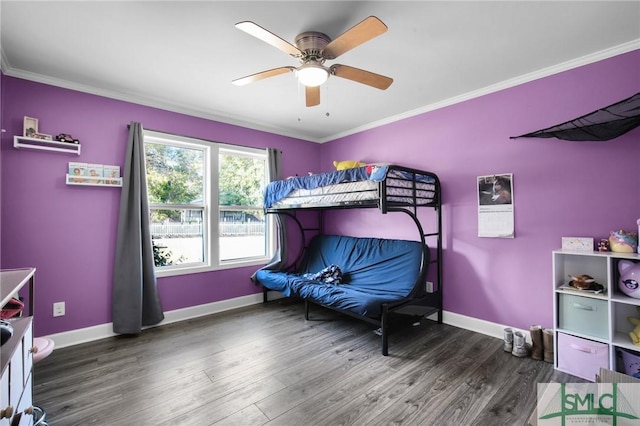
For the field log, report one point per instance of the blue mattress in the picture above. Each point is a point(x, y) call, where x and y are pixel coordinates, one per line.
point(277, 190)
point(374, 271)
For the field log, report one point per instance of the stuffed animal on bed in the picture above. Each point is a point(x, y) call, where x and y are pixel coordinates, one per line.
point(344, 165)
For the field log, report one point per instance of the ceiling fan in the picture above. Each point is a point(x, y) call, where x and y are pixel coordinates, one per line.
point(312, 49)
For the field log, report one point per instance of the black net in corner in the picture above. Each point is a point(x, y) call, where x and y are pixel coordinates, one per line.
point(601, 125)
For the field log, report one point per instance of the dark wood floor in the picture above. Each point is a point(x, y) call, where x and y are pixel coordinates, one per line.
point(266, 365)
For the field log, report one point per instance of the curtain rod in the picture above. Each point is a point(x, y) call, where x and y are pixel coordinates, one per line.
point(194, 137)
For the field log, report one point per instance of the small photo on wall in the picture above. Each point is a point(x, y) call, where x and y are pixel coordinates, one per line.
point(30, 127)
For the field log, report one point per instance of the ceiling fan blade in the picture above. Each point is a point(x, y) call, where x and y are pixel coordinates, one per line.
point(361, 76)
point(364, 31)
point(312, 95)
point(268, 37)
point(262, 75)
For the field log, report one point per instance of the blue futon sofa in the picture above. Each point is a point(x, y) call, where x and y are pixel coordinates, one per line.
point(376, 276)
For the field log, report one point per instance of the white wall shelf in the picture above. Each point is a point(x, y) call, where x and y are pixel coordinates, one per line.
point(94, 181)
point(45, 145)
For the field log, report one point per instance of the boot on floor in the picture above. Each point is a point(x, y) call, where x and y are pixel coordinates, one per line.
point(536, 337)
point(521, 348)
point(508, 340)
point(547, 341)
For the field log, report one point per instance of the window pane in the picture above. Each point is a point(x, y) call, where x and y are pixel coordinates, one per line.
point(241, 180)
point(177, 236)
point(242, 234)
point(174, 174)
point(242, 223)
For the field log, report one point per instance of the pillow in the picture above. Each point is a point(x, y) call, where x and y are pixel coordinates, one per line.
point(343, 165)
point(329, 275)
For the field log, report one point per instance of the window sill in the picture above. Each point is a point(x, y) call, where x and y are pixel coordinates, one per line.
point(170, 272)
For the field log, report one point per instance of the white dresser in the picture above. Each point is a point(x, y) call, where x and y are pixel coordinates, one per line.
point(16, 355)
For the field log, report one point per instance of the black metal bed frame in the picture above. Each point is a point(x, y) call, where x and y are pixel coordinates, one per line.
point(419, 295)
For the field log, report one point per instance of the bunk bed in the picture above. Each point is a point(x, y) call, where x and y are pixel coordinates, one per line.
point(390, 189)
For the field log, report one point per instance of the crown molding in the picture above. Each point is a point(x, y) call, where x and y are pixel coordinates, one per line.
point(153, 102)
point(4, 64)
point(266, 127)
point(525, 78)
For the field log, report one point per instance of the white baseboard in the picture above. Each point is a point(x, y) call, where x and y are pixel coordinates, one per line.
point(88, 334)
point(479, 326)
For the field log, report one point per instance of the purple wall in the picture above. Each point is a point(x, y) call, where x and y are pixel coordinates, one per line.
point(68, 232)
point(561, 188)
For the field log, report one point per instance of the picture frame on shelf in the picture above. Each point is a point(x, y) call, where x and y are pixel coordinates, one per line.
point(30, 127)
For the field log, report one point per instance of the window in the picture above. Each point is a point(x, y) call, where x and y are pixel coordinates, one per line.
point(205, 202)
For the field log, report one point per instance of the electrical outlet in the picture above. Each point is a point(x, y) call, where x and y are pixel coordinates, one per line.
point(58, 309)
point(429, 287)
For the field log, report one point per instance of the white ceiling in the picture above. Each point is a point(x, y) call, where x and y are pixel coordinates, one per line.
point(182, 56)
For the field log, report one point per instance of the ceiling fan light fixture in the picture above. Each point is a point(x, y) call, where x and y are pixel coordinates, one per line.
point(312, 75)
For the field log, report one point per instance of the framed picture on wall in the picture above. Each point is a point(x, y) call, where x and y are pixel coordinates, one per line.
point(30, 127)
point(495, 206)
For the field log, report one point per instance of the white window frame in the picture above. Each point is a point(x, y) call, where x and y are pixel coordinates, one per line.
point(211, 213)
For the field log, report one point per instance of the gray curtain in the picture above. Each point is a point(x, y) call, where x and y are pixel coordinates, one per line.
point(135, 302)
point(280, 257)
